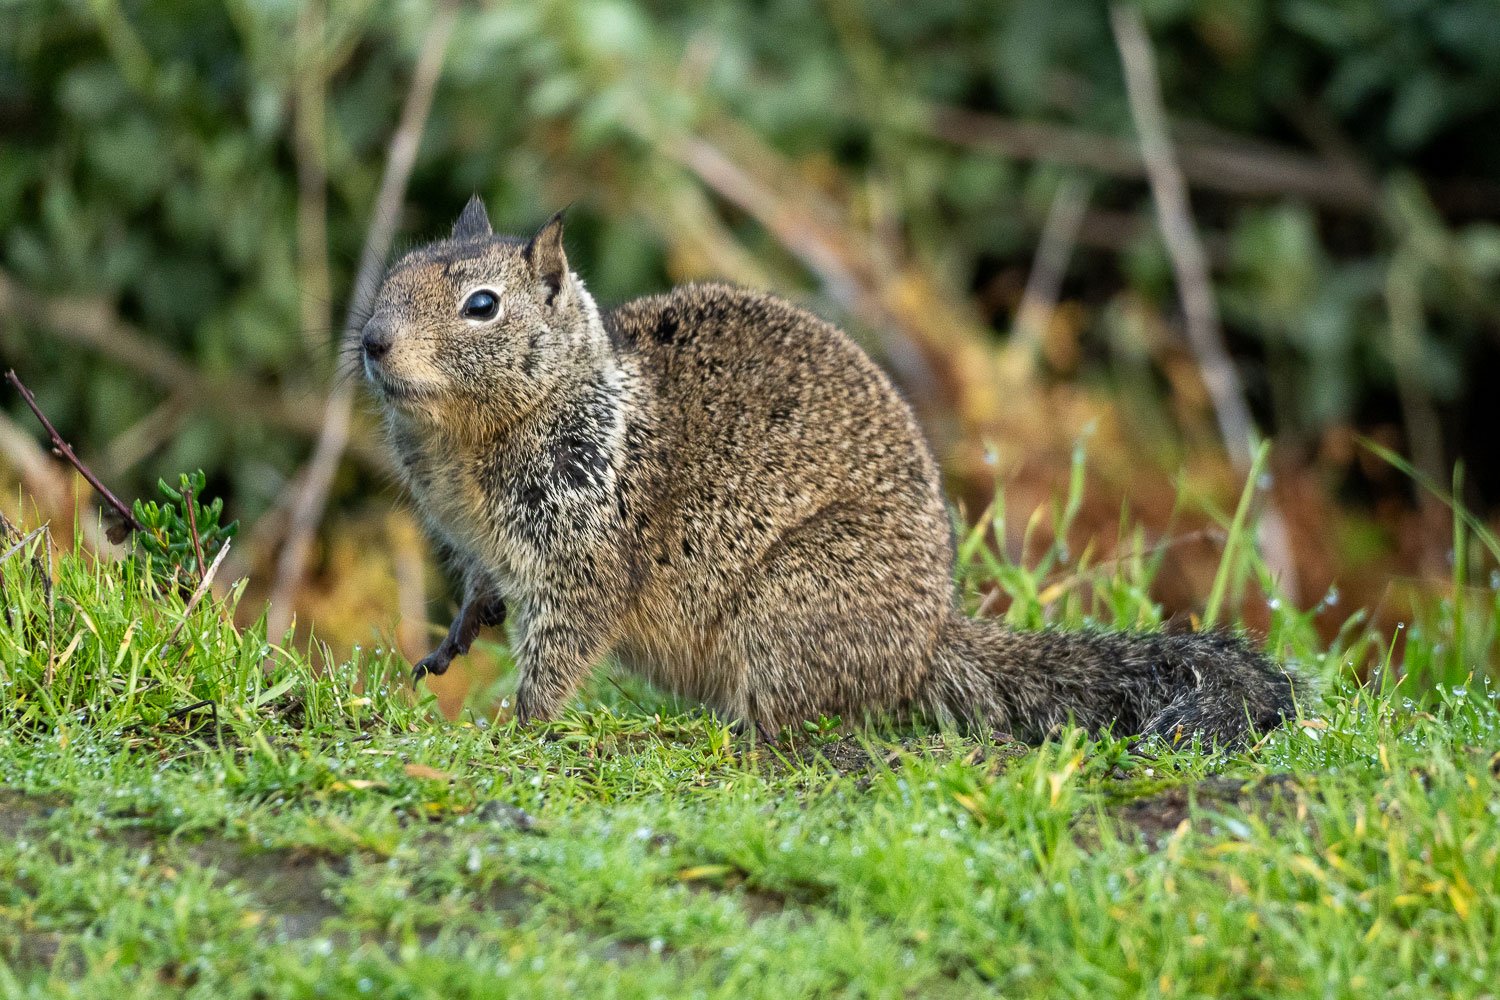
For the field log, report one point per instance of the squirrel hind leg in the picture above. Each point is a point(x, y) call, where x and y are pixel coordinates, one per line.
point(822, 631)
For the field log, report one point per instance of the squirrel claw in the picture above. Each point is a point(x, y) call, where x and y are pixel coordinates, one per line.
point(754, 731)
point(434, 663)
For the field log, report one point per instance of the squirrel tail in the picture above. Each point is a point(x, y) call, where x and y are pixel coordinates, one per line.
point(1212, 684)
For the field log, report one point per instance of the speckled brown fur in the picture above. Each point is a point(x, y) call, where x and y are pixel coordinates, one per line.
point(727, 494)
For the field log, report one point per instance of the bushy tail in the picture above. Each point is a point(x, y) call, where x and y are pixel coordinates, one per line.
point(1211, 684)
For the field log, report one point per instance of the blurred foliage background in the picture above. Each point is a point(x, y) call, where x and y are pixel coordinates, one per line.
point(185, 190)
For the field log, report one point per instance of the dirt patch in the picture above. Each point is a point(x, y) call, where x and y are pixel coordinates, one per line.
point(289, 886)
point(19, 811)
point(36, 949)
point(758, 904)
point(295, 893)
point(1159, 815)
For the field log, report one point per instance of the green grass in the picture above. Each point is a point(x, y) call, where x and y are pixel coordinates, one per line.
point(310, 830)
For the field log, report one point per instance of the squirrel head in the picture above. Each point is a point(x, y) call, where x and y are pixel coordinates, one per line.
point(480, 326)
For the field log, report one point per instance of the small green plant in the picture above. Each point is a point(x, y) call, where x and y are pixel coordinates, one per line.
point(825, 728)
point(181, 536)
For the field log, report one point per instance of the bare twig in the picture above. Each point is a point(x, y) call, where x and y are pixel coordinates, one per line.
point(92, 324)
point(7, 532)
point(1250, 169)
point(42, 563)
point(141, 438)
point(310, 152)
point(1044, 283)
point(48, 483)
point(1420, 419)
point(312, 499)
point(1190, 267)
point(20, 544)
point(1174, 216)
point(198, 592)
point(66, 451)
point(929, 340)
point(187, 503)
point(411, 592)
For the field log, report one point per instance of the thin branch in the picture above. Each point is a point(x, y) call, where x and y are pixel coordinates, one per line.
point(1190, 267)
point(1424, 436)
point(1403, 300)
point(20, 544)
point(187, 503)
point(1174, 216)
point(66, 451)
point(45, 482)
point(1255, 170)
point(925, 348)
point(198, 592)
point(408, 564)
point(310, 153)
point(1044, 283)
point(92, 324)
point(312, 500)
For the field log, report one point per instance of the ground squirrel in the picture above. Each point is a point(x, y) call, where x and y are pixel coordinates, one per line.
point(724, 492)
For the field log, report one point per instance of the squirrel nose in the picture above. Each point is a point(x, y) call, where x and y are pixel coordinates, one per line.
point(377, 338)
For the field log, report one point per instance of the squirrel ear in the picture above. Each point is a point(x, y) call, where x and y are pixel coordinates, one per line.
point(474, 222)
point(545, 254)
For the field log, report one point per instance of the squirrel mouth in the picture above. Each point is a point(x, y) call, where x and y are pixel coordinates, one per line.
point(396, 390)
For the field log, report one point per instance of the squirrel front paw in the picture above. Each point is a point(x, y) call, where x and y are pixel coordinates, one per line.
point(435, 662)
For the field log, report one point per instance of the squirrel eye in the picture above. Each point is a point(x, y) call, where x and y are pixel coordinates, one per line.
point(480, 305)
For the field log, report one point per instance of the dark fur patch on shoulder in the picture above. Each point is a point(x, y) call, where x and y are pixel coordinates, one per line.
point(668, 326)
point(579, 463)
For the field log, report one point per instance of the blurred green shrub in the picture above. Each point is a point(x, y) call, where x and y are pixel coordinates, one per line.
point(150, 158)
